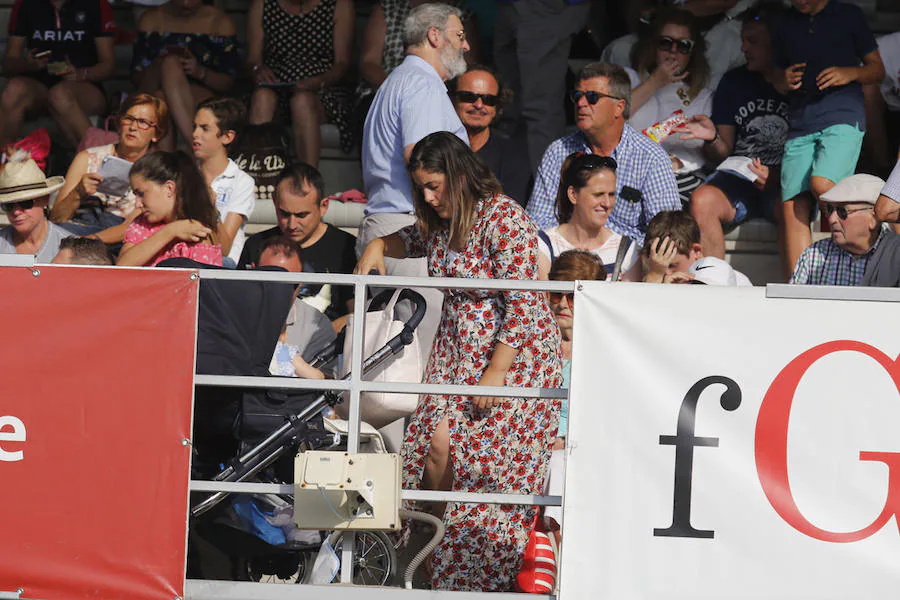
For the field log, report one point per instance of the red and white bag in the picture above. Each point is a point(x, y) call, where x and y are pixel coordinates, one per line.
point(538, 572)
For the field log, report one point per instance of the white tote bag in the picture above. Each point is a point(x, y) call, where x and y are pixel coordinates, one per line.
point(376, 408)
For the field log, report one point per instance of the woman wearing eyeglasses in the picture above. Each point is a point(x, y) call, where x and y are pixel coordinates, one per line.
point(466, 228)
point(670, 60)
point(586, 197)
point(80, 208)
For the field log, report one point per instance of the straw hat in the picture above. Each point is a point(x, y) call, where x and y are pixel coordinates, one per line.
point(21, 179)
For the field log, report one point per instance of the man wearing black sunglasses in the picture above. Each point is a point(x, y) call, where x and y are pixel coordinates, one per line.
point(479, 98)
point(645, 182)
point(856, 235)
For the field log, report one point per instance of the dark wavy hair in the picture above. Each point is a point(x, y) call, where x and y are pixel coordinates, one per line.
point(193, 198)
point(577, 170)
point(643, 57)
point(467, 180)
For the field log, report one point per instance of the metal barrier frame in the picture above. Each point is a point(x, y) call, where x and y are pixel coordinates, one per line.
point(230, 590)
point(203, 590)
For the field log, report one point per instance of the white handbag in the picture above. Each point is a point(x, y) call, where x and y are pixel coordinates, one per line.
point(382, 408)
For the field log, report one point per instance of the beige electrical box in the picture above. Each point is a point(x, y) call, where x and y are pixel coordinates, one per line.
point(337, 490)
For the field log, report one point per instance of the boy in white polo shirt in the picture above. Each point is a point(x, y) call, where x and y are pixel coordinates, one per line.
point(217, 123)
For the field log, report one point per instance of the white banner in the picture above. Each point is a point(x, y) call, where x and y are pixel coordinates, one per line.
point(723, 445)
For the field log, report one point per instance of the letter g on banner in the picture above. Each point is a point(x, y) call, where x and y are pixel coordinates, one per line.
point(771, 444)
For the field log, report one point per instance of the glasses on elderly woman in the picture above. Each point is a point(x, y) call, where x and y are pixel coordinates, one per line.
point(12, 206)
point(669, 44)
point(142, 124)
point(556, 297)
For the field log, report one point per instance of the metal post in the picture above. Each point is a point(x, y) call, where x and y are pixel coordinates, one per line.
point(356, 362)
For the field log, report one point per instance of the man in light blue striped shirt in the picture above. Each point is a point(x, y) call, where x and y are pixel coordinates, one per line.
point(645, 180)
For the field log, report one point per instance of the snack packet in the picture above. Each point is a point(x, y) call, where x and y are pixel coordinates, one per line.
point(661, 130)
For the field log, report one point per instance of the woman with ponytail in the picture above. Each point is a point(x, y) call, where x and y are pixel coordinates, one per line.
point(178, 216)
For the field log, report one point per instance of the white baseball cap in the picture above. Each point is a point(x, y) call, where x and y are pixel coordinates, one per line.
point(715, 271)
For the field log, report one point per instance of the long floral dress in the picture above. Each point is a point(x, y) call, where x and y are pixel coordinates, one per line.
point(504, 449)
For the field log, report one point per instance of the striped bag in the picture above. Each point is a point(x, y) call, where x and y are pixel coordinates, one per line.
point(538, 572)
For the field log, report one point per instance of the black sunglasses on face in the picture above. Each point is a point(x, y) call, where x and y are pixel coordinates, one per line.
point(673, 45)
point(24, 205)
point(591, 96)
point(472, 98)
point(842, 211)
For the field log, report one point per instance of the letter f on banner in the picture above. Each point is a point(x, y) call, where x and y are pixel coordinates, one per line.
point(684, 441)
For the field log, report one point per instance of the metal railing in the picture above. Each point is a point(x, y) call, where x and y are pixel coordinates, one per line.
point(354, 386)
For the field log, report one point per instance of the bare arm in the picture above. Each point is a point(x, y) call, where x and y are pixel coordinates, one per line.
point(70, 195)
point(227, 230)
point(17, 61)
point(255, 34)
point(106, 60)
point(138, 255)
point(495, 374)
point(871, 71)
point(116, 233)
point(373, 256)
point(372, 48)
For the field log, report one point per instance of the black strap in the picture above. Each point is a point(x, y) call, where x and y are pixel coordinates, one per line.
point(624, 245)
point(546, 238)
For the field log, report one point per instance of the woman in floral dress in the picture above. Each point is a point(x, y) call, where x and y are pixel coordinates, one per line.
point(466, 228)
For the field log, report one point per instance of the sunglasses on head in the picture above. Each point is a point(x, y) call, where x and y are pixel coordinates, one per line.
point(472, 98)
point(842, 211)
point(591, 96)
point(593, 161)
point(556, 297)
point(11, 206)
point(673, 45)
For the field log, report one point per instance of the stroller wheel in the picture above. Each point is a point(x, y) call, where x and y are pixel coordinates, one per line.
point(288, 567)
point(374, 558)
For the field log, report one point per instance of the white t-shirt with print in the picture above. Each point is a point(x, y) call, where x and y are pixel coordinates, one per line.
point(661, 105)
point(631, 264)
point(234, 191)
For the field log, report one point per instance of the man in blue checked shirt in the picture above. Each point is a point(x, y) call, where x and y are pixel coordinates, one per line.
point(645, 181)
point(856, 234)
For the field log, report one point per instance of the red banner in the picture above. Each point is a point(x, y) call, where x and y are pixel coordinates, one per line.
point(96, 390)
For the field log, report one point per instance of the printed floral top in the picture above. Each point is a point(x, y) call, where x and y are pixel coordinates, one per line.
point(140, 229)
point(216, 52)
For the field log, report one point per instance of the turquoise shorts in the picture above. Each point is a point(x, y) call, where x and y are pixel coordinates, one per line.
point(831, 153)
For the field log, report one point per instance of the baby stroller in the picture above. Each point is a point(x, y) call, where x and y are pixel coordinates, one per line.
point(253, 434)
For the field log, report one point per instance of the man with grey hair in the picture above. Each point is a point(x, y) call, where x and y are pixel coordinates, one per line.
point(645, 181)
point(410, 104)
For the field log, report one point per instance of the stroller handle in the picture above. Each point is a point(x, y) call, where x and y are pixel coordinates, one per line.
point(380, 302)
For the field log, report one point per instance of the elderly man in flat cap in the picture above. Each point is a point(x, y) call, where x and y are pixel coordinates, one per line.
point(855, 235)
